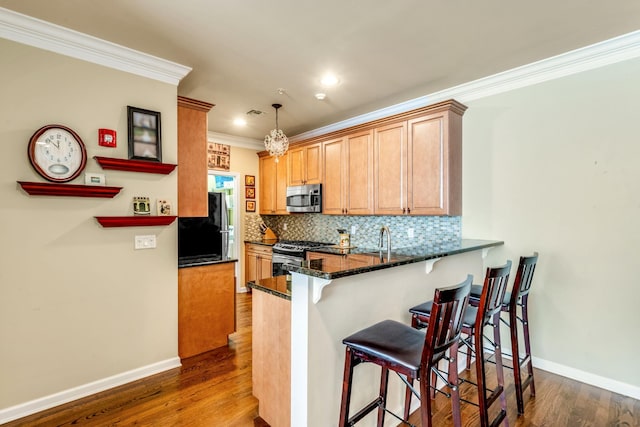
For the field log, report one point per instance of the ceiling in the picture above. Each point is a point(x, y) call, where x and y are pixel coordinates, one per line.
point(387, 53)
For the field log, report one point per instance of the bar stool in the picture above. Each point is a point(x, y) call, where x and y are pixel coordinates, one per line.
point(487, 313)
point(410, 353)
point(518, 297)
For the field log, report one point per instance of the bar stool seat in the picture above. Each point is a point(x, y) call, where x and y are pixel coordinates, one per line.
point(411, 353)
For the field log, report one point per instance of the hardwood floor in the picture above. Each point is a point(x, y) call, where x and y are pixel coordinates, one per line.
point(214, 389)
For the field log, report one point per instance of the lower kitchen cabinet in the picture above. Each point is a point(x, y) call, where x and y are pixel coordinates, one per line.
point(206, 307)
point(271, 357)
point(257, 262)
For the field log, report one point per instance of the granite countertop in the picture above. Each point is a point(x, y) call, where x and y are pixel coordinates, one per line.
point(202, 261)
point(362, 260)
point(266, 242)
point(279, 286)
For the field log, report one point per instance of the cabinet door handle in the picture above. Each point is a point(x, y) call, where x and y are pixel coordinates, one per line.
point(404, 211)
point(408, 211)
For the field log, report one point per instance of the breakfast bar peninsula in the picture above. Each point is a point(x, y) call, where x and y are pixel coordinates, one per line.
point(331, 295)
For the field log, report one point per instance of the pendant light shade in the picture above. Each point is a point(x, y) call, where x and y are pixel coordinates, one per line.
point(276, 143)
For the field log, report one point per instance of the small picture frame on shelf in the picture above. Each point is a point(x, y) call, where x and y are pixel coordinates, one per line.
point(251, 206)
point(144, 134)
point(250, 192)
point(141, 206)
point(250, 180)
point(94, 179)
point(164, 207)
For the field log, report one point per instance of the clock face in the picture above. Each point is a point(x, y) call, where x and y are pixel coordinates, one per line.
point(57, 153)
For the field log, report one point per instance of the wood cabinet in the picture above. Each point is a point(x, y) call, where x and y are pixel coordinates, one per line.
point(407, 164)
point(390, 159)
point(418, 164)
point(192, 157)
point(305, 165)
point(206, 307)
point(271, 357)
point(273, 185)
point(257, 262)
point(348, 175)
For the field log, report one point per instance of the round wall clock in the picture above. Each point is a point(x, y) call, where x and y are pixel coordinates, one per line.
point(57, 153)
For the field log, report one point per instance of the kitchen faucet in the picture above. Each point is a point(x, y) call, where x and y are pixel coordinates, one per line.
point(382, 230)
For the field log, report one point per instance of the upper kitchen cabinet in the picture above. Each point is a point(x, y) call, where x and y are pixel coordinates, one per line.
point(390, 158)
point(273, 185)
point(348, 175)
point(192, 157)
point(305, 165)
point(419, 163)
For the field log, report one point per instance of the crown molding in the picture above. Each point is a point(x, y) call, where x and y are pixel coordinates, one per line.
point(45, 35)
point(604, 53)
point(236, 141)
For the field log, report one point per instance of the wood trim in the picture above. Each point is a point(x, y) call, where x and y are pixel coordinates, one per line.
point(194, 104)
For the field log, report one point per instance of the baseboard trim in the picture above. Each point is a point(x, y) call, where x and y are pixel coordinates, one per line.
point(615, 386)
point(24, 409)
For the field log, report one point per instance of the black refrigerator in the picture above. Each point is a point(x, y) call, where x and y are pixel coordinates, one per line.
point(206, 237)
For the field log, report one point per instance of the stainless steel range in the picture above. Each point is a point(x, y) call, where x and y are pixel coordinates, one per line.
point(291, 252)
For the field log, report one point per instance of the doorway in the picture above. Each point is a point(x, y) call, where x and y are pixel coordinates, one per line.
point(227, 183)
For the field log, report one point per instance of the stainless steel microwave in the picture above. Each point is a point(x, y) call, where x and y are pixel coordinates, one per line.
point(304, 198)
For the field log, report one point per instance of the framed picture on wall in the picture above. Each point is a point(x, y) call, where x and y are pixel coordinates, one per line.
point(250, 180)
point(144, 134)
point(250, 192)
point(251, 206)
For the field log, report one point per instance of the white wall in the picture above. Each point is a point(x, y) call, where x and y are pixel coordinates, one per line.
point(77, 303)
point(554, 168)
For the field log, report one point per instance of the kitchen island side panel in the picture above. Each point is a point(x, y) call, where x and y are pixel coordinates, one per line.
point(347, 305)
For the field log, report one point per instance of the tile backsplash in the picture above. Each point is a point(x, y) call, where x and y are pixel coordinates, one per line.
point(323, 228)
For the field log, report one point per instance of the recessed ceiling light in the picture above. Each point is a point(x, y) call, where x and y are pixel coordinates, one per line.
point(320, 96)
point(329, 80)
point(240, 122)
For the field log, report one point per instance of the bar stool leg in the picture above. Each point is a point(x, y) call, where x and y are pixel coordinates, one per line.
point(384, 381)
point(408, 394)
point(527, 345)
point(453, 384)
point(500, 369)
point(425, 399)
point(517, 363)
point(346, 388)
point(484, 401)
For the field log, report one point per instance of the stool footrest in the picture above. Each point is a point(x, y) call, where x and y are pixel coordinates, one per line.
point(365, 411)
point(524, 361)
point(501, 416)
point(526, 382)
point(494, 395)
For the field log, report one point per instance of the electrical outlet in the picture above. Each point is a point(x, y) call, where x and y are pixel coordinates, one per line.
point(410, 233)
point(354, 228)
point(284, 226)
point(145, 242)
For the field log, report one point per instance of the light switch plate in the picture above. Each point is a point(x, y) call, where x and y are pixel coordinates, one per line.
point(145, 242)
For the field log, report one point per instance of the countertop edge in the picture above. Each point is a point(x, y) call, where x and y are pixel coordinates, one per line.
point(481, 244)
point(258, 287)
point(206, 263)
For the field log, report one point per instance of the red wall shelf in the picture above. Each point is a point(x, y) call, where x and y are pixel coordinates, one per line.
point(54, 189)
point(134, 221)
point(135, 165)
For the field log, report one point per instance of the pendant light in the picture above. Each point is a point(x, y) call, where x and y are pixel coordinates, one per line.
point(276, 142)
